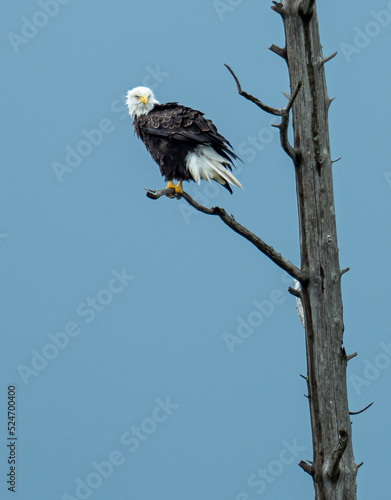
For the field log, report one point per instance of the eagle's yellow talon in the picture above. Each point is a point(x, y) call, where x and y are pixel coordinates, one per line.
point(170, 185)
point(178, 188)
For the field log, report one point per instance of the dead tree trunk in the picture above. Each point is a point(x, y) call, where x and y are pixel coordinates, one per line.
point(333, 467)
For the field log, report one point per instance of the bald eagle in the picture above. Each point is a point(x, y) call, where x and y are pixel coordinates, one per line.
point(185, 145)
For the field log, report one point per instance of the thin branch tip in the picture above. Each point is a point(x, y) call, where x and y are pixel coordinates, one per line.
point(278, 50)
point(155, 195)
point(361, 411)
point(234, 77)
point(249, 97)
point(277, 7)
point(327, 59)
point(329, 101)
point(284, 112)
point(351, 356)
point(294, 292)
point(307, 467)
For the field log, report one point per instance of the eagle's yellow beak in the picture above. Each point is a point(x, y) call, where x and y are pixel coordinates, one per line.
point(144, 99)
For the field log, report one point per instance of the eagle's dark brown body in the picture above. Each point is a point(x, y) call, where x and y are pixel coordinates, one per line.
point(171, 131)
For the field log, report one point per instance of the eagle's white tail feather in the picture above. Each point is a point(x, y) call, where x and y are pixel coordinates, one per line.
point(221, 172)
point(205, 163)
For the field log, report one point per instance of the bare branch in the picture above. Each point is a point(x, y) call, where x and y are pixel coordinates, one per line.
point(294, 292)
point(155, 195)
point(278, 50)
point(293, 97)
point(230, 221)
point(333, 467)
point(360, 464)
point(351, 356)
point(278, 7)
point(266, 249)
point(329, 101)
point(335, 161)
point(283, 112)
point(327, 59)
point(361, 411)
point(343, 271)
point(264, 107)
point(306, 467)
point(289, 150)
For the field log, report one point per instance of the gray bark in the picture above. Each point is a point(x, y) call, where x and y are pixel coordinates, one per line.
point(333, 466)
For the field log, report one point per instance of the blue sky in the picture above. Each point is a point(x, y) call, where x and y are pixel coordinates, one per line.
point(116, 309)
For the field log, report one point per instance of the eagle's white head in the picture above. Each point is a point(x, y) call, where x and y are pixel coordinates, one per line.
point(140, 101)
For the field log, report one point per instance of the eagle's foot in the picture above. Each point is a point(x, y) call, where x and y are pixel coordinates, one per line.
point(178, 187)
